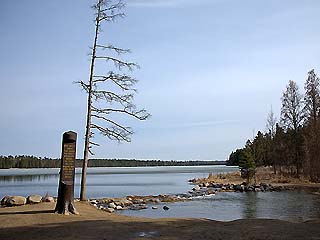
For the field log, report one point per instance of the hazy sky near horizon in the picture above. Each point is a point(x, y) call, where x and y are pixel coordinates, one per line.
point(210, 71)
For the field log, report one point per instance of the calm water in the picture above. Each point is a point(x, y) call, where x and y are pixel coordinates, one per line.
point(120, 182)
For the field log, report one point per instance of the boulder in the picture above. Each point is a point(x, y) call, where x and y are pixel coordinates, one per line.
point(4, 200)
point(138, 207)
point(166, 208)
point(126, 202)
point(138, 201)
point(250, 188)
point(34, 199)
point(16, 201)
point(239, 188)
point(119, 208)
point(112, 205)
point(196, 188)
point(47, 198)
point(155, 200)
point(109, 210)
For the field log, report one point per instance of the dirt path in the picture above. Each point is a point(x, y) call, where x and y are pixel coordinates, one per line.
point(39, 222)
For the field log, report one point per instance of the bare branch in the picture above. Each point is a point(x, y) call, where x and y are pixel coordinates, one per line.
point(89, 150)
point(119, 63)
point(116, 49)
point(140, 114)
point(126, 129)
point(124, 100)
point(95, 144)
point(83, 85)
point(113, 133)
point(111, 18)
point(123, 81)
point(116, 6)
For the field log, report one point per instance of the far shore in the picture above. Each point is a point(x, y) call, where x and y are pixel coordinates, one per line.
point(264, 175)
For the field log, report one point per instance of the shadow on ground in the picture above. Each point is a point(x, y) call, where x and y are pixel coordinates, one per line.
point(185, 229)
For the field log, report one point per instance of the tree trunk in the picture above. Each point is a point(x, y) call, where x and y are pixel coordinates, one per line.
point(83, 194)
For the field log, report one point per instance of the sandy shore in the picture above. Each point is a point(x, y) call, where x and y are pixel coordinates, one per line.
point(39, 222)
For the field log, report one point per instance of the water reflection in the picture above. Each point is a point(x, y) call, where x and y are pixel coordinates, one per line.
point(250, 202)
point(28, 178)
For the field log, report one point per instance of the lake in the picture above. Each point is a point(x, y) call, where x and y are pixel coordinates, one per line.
point(121, 182)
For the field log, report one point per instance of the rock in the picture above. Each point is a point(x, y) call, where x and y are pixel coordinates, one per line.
point(154, 200)
point(138, 207)
point(119, 208)
point(239, 188)
point(4, 200)
point(109, 210)
point(34, 199)
point(196, 188)
point(210, 192)
point(112, 205)
point(250, 188)
point(166, 208)
point(138, 201)
point(16, 201)
point(126, 202)
point(93, 201)
point(47, 198)
point(264, 186)
point(154, 207)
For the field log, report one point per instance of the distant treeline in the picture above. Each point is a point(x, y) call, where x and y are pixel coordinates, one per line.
point(23, 161)
point(291, 145)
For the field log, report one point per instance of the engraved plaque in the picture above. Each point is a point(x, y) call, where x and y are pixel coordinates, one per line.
point(68, 163)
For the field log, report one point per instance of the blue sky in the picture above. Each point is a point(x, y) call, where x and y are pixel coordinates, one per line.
point(210, 71)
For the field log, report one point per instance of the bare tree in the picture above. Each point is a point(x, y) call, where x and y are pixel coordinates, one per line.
point(271, 123)
point(109, 94)
point(292, 111)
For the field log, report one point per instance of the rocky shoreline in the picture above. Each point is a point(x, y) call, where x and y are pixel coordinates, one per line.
point(200, 190)
point(12, 201)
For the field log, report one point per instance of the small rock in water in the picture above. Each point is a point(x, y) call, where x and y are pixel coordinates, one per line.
point(154, 207)
point(138, 207)
point(166, 208)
